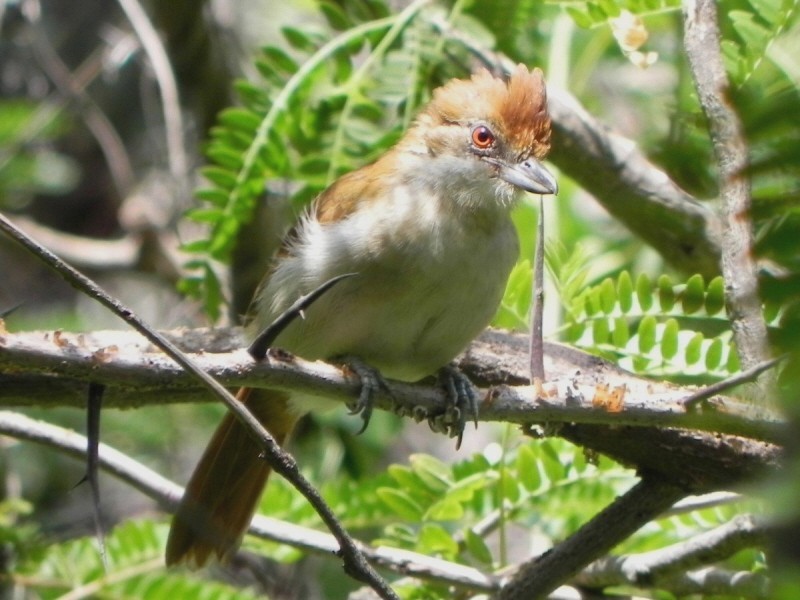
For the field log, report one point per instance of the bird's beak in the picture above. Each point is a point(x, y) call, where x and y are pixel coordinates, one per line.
point(529, 175)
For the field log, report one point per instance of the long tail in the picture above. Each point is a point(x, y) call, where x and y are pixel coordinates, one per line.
point(224, 489)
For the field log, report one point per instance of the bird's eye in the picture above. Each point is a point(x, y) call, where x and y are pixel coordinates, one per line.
point(482, 137)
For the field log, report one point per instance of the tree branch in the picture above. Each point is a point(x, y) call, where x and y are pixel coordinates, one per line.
point(52, 369)
point(615, 523)
point(674, 567)
point(702, 43)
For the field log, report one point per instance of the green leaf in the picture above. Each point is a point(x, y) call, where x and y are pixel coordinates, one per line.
point(403, 476)
point(528, 469)
point(435, 539)
point(693, 294)
point(714, 354)
point(644, 291)
point(608, 296)
point(666, 293)
point(581, 17)
point(715, 296)
point(226, 157)
point(213, 294)
point(433, 473)
point(553, 469)
point(477, 547)
point(204, 215)
point(647, 334)
point(600, 331)
point(752, 33)
point(299, 39)
point(669, 338)
point(220, 177)
point(625, 292)
point(336, 17)
point(278, 59)
point(214, 196)
point(509, 485)
point(400, 503)
point(621, 334)
point(240, 118)
point(694, 349)
point(445, 510)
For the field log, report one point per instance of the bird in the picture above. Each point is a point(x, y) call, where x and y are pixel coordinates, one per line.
point(426, 230)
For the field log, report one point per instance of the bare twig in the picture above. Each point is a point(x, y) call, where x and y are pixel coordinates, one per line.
point(265, 339)
point(72, 86)
point(702, 43)
point(667, 567)
point(537, 306)
point(639, 505)
point(355, 563)
point(168, 87)
point(743, 377)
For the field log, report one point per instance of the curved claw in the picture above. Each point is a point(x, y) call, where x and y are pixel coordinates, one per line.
point(371, 382)
point(462, 400)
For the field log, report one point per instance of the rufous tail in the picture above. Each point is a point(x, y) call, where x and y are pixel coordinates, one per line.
point(224, 489)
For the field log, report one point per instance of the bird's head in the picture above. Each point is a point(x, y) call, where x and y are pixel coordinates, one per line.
point(487, 133)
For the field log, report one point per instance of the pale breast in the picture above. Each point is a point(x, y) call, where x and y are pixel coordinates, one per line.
point(427, 284)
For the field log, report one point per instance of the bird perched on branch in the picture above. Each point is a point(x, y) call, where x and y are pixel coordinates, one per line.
point(427, 231)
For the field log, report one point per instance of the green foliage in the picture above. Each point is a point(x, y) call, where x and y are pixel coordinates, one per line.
point(754, 30)
point(134, 569)
point(28, 168)
point(663, 328)
point(597, 13)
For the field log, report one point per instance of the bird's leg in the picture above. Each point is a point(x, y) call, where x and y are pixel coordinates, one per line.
point(371, 382)
point(462, 402)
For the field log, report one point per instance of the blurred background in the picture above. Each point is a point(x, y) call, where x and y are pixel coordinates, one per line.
point(107, 113)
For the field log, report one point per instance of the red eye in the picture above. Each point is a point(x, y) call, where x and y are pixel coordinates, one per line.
point(482, 137)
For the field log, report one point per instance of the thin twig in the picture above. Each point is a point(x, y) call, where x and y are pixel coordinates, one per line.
point(660, 567)
point(536, 351)
point(355, 563)
point(702, 43)
point(167, 85)
point(743, 377)
point(93, 412)
point(265, 339)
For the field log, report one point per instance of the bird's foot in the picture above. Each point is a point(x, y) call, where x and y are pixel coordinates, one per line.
point(371, 382)
point(462, 402)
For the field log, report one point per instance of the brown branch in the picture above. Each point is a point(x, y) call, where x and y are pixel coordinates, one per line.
point(702, 43)
point(674, 567)
point(615, 523)
point(52, 368)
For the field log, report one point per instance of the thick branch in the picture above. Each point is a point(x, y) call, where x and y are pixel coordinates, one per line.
point(642, 503)
point(53, 369)
point(636, 192)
